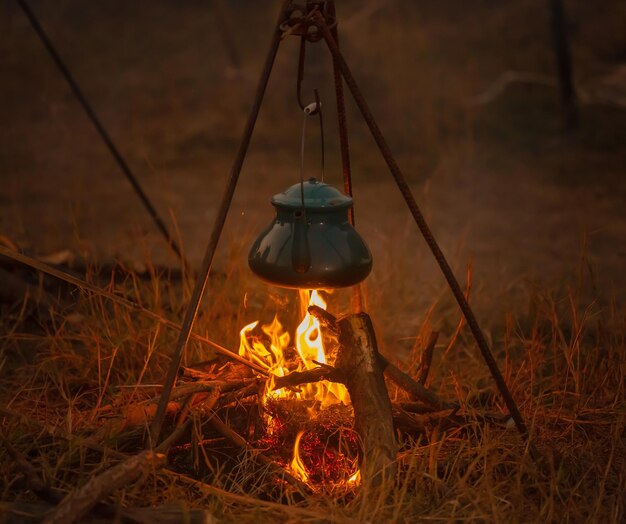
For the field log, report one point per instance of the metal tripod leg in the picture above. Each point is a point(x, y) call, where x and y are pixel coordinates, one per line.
point(218, 226)
point(91, 114)
point(423, 226)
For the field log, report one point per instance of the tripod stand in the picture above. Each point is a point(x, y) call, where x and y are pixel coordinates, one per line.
point(315, 22)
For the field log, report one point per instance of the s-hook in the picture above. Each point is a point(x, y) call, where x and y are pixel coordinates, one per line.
point(301, 255)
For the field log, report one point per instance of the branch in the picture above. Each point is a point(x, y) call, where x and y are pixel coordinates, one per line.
point(80, 501)
point(392, 372)
point(427, 357)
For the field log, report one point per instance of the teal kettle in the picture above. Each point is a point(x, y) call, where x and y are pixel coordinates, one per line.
point(310, 244)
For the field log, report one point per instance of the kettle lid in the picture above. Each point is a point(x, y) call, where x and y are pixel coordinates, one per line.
point(317, 196)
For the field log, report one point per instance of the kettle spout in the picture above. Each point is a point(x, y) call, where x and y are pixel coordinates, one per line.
point(300, 254)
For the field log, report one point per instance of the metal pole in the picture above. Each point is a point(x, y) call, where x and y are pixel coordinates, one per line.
point(196, 297)
point(423, 226)
point(117, 156)
point(341, 116)
point(342, 121)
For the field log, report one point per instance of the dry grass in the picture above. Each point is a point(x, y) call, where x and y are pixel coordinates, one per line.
point(66, 372)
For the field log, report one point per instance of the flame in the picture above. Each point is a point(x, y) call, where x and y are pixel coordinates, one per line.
point(297, 466)
point(309, 346)
point(267, 345)
point(308, 335)
point(355, 478)
point(272, 359)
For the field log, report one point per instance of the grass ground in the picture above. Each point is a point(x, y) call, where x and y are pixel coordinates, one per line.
point(67, 372)
point(538, 215)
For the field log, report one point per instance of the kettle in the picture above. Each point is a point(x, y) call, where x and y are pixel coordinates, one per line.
point(310, 244)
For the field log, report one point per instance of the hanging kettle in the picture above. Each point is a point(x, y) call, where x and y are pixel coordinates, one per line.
point(311, 244)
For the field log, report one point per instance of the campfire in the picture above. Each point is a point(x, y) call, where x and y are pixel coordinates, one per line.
point(273, 350)
point(311, 401)
point(328, 447)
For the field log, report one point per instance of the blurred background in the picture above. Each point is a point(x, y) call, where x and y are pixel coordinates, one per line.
point(466, 93)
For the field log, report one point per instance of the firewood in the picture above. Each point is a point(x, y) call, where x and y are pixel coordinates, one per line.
point(133, 417)
point(78, 503)
point(412, 387)
point(297, 378)
point(140, 415)
point(392, 372)
point(357, 360)
point(427, 357)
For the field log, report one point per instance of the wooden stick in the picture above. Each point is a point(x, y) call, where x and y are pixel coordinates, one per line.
point(78, 503)
point(167, 443)
point(392, 372)
point(413, 388)
point(296, 378)
point(427, 357)
point(198, 484)
point(373, 421)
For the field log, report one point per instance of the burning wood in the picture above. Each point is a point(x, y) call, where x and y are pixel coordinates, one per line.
point(302, 386)
point(321, 416)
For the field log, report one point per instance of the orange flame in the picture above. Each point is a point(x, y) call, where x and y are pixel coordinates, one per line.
point(310, 348)
point(355, 478)
point(297, 466)
point(269, 352)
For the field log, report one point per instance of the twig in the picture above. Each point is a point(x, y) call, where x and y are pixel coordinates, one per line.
point(427, 357)
point(198, 484)
point(224, 386)
point(413, 388)
point(207, 405)
point(141, 414)
point(238, 395)
point(136, 416)
point(391, 371)
point(326, 319)
point(78, 503)
point(296, 378)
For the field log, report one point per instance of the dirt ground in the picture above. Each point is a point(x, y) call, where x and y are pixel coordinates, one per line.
point(502, 186)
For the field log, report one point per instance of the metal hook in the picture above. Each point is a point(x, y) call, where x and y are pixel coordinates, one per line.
point(314, 108)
